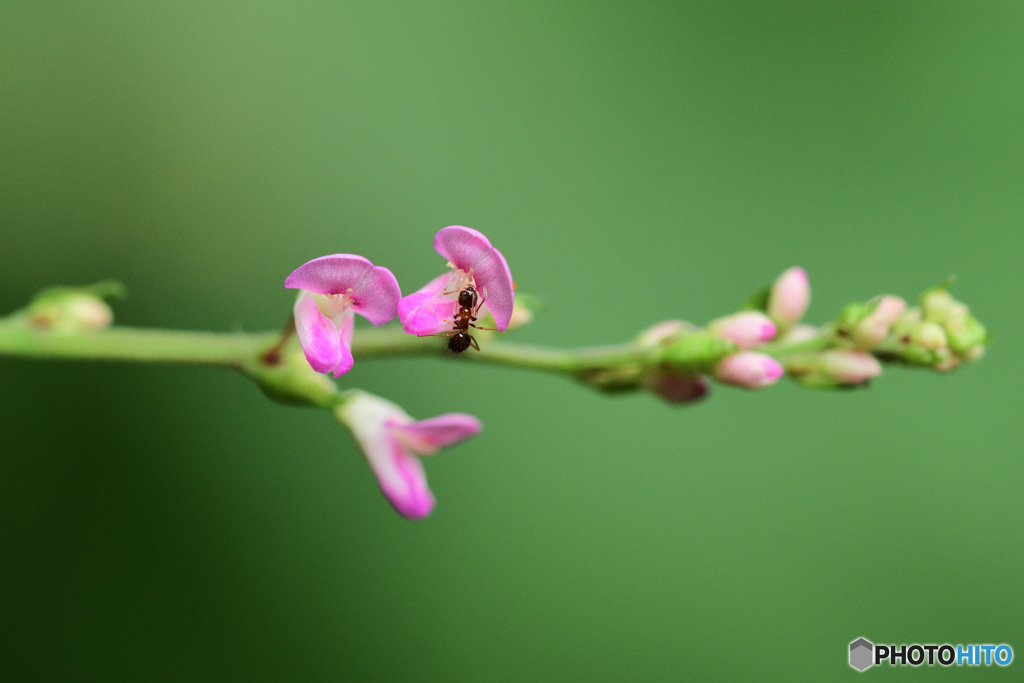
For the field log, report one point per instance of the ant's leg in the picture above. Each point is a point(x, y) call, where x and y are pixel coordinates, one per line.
point(472, 340)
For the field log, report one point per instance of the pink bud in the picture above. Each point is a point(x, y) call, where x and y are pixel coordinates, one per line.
point(747, 329)
point(749, 369)
point(875, 326)
point(790, 296)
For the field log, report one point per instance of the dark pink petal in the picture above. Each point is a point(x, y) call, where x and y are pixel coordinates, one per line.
point(375, 292)
point(469, 250)
point(426, 312)
point(443, 430)
point(320, 339)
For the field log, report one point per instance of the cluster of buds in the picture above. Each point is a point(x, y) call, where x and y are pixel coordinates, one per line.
point(940, 334)
point(727, 349)
point(333, 288)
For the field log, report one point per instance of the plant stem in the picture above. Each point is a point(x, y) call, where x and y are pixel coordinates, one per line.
point(229, 350)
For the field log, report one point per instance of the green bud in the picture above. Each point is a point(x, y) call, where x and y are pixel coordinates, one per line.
point(939, 305)
point(290, 379)
point(695, 353)
point(965, 332)
point(928, 335)
point(68, 310)
point(850, 316)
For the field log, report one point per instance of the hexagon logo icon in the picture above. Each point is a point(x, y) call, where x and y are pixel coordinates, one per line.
point(861, 652)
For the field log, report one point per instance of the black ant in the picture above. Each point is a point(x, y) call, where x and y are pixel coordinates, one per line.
point(460, 339)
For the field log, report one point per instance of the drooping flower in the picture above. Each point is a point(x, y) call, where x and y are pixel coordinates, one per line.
point(749, 369)
point(335, 288)
point(391, 441)
point(473, 260)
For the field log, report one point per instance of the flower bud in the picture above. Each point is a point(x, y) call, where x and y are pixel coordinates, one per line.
point(746, 330)
point(928, 335)
point(874, 327)
point(68, 310)
point(965, 332)
point(789, 297)
point(749, 369)
point(939, 305)
point(695, 353)
point(677, 388)
point(664, 333)
point(799, 333)
point(833, 368)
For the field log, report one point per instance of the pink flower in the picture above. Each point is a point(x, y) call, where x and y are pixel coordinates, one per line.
point(746, 330)
point(790, 295)
point(749, 369)
point(475, 262)
point(335, 288)
point(391, 440)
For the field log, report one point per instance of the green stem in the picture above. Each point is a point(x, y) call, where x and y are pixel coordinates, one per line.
point(229, 350)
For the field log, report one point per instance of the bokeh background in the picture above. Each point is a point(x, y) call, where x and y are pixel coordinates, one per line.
point(634, 162)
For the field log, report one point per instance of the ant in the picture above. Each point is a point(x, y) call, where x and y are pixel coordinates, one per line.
point(460, 339)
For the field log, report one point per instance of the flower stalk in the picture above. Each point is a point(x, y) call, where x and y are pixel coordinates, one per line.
point(674, 360)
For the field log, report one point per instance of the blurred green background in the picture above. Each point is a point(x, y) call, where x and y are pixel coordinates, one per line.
point(634, 162)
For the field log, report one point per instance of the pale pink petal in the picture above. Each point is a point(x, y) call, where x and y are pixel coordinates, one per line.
point(426, 312)
point(749, 369)
point(374, 290)
point(346, 326)
point(443, 430)
point(320, 339)
point(470, 250)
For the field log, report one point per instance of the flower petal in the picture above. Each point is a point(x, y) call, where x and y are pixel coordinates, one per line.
point(374, 289)
point(426, 312)
point(346, 326)
point(320, 339)
point(403, 481)
point(470, 250)
point(437, 432)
